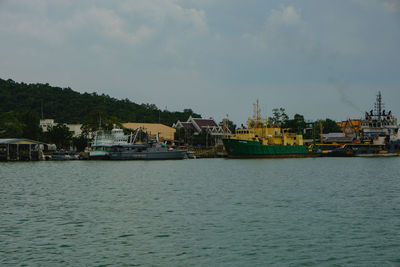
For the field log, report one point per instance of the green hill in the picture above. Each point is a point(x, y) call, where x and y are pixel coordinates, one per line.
point(68, 106)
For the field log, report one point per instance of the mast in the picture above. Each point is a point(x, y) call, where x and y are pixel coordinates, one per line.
point(256, 112)
point(379, 106)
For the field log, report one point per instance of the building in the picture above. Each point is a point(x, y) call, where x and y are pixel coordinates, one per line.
point(20, 149)
point(165, 133)
point(197, 126)
point(46, 124)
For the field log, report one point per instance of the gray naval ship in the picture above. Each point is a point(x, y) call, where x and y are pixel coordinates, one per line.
point(147, 151)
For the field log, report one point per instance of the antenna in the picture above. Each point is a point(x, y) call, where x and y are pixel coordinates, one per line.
point(41, 107)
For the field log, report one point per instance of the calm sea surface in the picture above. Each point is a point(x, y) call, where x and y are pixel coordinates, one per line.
point(208, 212)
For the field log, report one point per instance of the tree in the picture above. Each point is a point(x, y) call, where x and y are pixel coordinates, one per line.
point(68, 106)
point(297, 124)
point(60, 136)
point(112, 122)
point(231, 126)
point(31, 129)
point(279, 116)
point(93, 120)
point(80, 142)
point(330, 126)
point(10, 125)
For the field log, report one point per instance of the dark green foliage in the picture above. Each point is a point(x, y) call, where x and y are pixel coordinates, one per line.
point(330, 126)
point(80, 142)
point(10, 125)
point(231, 126)
point(60, 136)
point(31, 128)
point(68, 106)
point(297, 124)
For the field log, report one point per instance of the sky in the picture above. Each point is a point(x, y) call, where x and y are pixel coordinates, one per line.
point(319, 58)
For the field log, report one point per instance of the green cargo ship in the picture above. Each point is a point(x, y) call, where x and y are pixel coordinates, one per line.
point(254, 149)
point(263, 140)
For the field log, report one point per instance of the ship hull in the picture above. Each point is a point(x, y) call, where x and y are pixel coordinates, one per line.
point(144, 155)
point(253, 149)
point(98, 155)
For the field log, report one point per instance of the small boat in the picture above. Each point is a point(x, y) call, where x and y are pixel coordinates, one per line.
point(62, 155)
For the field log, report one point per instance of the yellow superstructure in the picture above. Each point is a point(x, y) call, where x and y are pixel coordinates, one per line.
point(259, 130)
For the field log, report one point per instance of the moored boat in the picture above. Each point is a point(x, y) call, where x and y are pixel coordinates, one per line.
point(263, 140)
point(380, 133)
point(153, 151)
point(103, 142)
point(117, 146)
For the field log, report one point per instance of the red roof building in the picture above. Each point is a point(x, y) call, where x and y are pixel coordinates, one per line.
point(199, 125)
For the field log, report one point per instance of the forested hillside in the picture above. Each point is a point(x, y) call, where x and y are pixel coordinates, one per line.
point(67, 106)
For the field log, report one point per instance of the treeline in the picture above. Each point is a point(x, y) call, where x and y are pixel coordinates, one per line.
point(299, 124)
point(67, 106)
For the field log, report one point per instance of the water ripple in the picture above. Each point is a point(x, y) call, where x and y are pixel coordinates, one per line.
point(285, 212)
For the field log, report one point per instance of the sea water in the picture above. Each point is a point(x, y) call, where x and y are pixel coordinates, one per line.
point(204, 212)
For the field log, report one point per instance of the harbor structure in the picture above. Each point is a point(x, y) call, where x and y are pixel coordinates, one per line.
point(15, 149)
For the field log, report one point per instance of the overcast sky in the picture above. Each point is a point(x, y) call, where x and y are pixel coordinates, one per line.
point(319, 58)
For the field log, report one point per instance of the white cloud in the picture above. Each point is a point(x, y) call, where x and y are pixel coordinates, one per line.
point(26, 24)
point(108, 24)
point(392, 5)
point(389, 5)
point(284, 28)
point(160, 11)
point(130, 22)
point(286, 15)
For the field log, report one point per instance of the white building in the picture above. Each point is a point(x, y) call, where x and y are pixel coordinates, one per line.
point(75, 129)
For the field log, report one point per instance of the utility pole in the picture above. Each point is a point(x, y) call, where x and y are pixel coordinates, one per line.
point(320, 132)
